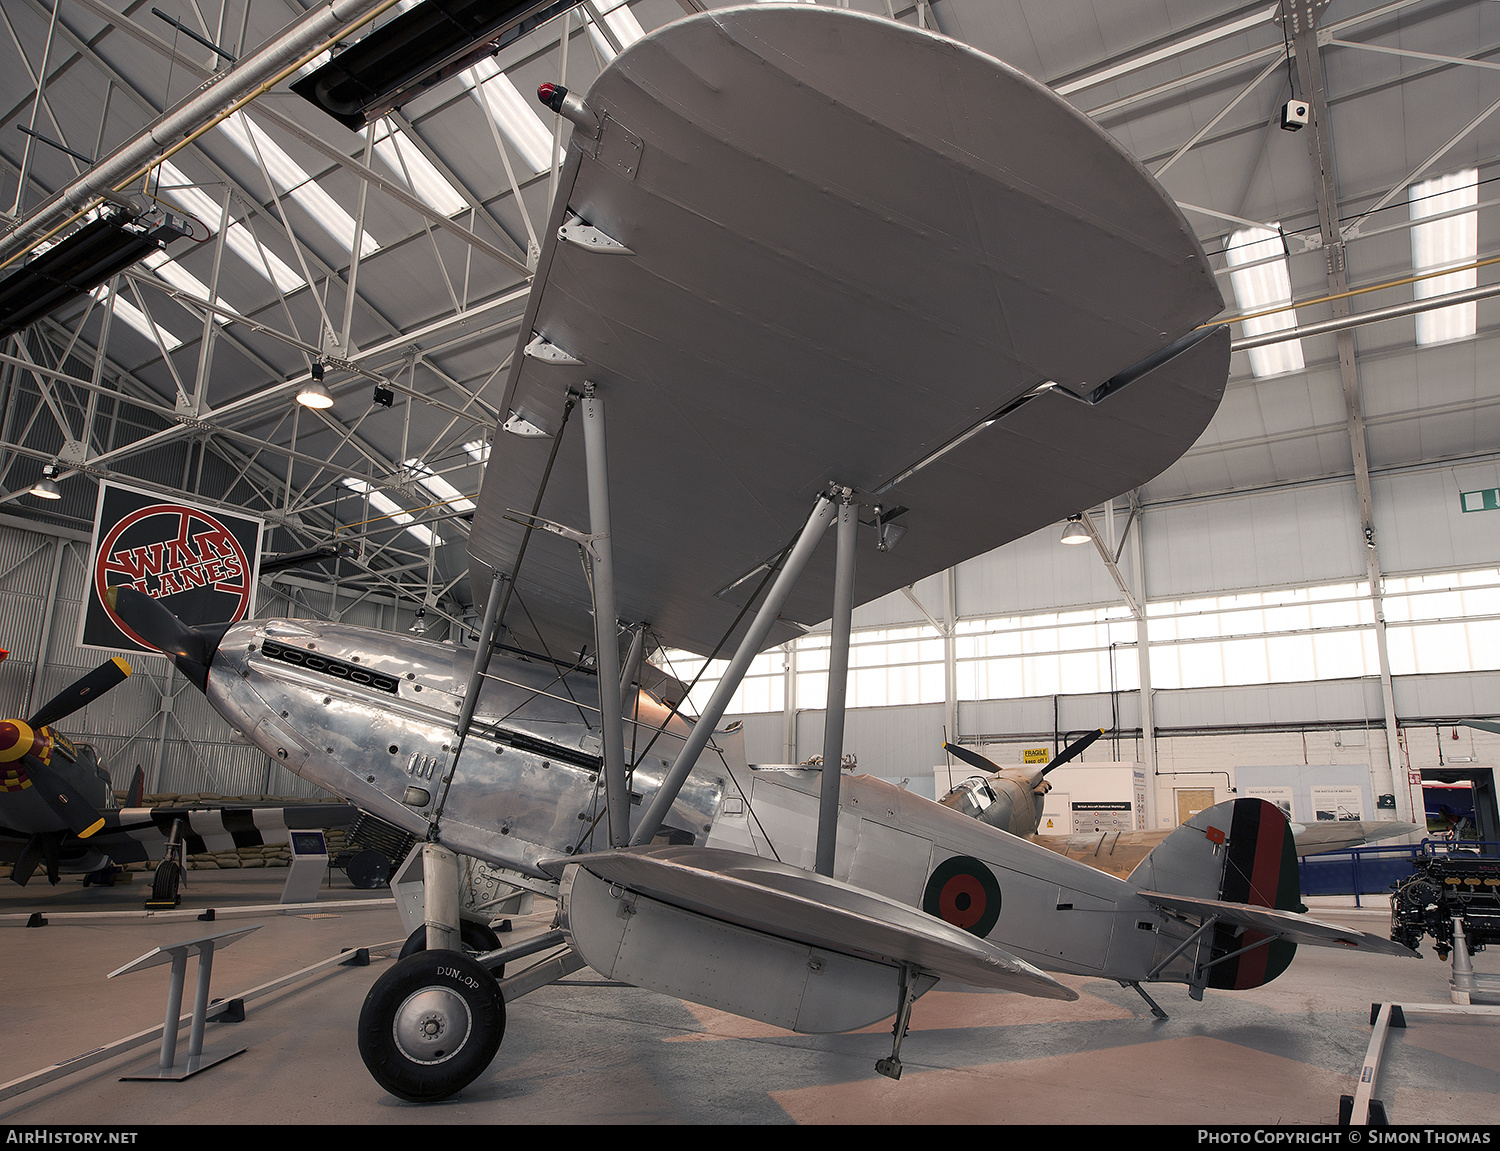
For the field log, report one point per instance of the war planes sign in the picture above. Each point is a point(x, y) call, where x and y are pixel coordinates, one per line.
point(201, 563)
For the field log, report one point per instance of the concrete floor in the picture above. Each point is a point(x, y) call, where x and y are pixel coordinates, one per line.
point(588, 1051)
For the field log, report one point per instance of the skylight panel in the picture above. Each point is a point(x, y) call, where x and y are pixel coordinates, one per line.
point(389, 507)
point(179, 277)
point(1451, 240)
point(622, 23)
point(294, 181)
point(1261, 280)
point(411, 167)
point(439, 487)
point(517, 120)
point(237, 237)
point(479, 450)
point(133, 316)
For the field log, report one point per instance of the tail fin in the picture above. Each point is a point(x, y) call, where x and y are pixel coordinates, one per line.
point(136, 797)
point(1241, 851)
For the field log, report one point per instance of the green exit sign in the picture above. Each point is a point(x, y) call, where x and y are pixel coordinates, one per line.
point(1484, 500)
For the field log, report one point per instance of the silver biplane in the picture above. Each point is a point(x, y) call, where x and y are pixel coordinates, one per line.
point(819, 269)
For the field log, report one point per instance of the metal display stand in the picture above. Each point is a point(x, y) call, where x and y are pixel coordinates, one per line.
point(177, 954)
point(1467, 984)
point(304, 878)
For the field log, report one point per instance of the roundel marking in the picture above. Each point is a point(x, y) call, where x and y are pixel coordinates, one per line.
point(964, 892)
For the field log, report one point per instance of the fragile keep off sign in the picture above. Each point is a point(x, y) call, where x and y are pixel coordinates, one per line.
point(201, 563)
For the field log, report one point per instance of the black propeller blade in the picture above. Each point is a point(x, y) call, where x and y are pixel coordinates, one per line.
point(1072, 750)
point(63, 798)
point(85, 690)
point(38, 848)
point(972, 758)
point(192, 648)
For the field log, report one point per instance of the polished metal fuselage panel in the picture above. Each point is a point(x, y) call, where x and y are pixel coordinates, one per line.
point(527, 786)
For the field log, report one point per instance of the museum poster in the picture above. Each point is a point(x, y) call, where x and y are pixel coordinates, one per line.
point(201, 563)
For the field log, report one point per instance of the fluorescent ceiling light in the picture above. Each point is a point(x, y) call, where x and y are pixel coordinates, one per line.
point(517, 120)
point(1261, 280)
point(1441, 243)
point(135, 318)
point(415, 170)
point(440, 487)
point(294, 181)
point(237, 237)
point(389, 507)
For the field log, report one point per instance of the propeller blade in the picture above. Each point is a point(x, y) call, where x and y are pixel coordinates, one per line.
point(28, 861)
point(972, 758)
point(85, 690)
point(63, 798)
point(1073, 750)
point(192, 648)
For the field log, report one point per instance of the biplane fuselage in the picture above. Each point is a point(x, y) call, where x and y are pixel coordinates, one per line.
point(370, 716)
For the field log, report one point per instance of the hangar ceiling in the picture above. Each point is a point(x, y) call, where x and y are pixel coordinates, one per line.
point(182, 375)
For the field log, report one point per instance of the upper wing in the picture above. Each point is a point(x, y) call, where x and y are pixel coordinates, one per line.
point(851, 244)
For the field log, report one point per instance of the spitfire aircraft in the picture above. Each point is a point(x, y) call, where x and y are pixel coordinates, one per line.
point(817, 267)
point(1012, 799)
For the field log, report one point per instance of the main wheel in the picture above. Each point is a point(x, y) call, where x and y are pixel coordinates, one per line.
point(164, 886)
point(431, 1025)
point(475, 938)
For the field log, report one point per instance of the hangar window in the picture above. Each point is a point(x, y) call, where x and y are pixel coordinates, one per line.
point(1447, 236)
point(1065, 652)
point(762, 689)
point(887, 667)
point(1447, 622)
point(1261, 280)
point(1288, 635)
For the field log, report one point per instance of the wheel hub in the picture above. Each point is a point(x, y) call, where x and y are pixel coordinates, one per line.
point(431, 1026)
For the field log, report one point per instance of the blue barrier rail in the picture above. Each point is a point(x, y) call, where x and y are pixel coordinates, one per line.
point(1374, 870)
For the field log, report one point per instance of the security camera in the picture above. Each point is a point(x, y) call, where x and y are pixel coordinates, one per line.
point(1295, 115)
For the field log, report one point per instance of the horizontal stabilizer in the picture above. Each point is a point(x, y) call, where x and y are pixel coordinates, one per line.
point(1285, 925)
point(1340, 835)
point(788, 903)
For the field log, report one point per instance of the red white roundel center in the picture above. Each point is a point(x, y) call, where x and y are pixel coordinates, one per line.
point(182, 556)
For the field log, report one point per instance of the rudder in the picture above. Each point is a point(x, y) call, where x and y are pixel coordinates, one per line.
point(1240, 851)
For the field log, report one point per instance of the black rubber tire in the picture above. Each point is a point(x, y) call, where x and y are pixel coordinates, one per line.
point(424, 1000)
point(475, 938)
point(164, 888)
point(369, 869)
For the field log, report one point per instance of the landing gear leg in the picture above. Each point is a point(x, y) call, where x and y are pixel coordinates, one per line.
point(169, 872)
point(891, 1067)
point(1151, 1003)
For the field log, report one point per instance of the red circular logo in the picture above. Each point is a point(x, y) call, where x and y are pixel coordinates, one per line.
point(181, 555)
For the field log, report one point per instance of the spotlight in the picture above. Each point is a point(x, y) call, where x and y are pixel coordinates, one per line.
point(419, 625)
point(1075, 532)
point(313, 394)
point(383, 397)
point(46, 487)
